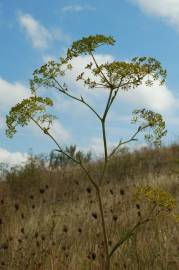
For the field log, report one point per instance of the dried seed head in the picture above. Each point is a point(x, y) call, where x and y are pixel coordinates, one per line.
point(138, 206)
point(93, 256)
point(79, 230)
point(2, 201)
point(88, 189)
point(115, 217)
point(38, 244)
point(76, 182)
point(22, 230)
point(111, 191)
point(94, 215)
point(65, 229)
point(64, 248)
point(42, 190)
point(110, 242)
point(4, 246)
point(43, 237)
point(16, 206)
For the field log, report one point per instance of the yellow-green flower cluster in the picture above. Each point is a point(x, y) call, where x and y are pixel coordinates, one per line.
point(151, 123)
point(156, 196)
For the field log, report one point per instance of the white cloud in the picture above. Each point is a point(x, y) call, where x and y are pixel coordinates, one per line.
point(60, 133)
point(2, 122)
point(38, 34)
point(77, 8)
point(11, 93)
point(12, 158)
point(157, 97)
point(167, 9)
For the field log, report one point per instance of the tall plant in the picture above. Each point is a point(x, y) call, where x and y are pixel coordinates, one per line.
point(114, 76)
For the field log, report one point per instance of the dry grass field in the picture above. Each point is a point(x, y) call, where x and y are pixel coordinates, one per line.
point(49, 220)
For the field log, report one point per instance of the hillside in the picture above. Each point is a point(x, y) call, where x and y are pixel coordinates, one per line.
point(49, 219)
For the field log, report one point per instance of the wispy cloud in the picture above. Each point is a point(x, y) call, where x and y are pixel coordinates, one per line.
point(77, 8)
point(40, 36)
point(60, 133)
point(166, 9)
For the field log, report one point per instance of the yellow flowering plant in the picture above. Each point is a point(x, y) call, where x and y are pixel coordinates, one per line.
point(114, 76)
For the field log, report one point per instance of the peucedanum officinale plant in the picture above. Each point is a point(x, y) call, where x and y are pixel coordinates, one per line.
point(114, 76)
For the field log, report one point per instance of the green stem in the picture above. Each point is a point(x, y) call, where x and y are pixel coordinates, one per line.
point(104, 142)
point(107, 105)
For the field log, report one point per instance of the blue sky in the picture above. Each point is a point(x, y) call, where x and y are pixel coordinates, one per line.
point(32, 32)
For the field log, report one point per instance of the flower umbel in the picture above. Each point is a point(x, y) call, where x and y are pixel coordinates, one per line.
point(156, 196)
point(23, 112)
point(151, 121)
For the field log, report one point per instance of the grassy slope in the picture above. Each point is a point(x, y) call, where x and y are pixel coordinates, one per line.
point(50, 220)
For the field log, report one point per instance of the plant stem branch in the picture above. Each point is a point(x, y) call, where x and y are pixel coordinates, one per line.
point(132, 138)
point(127, 236)
point(62, 90)
point(102, 74)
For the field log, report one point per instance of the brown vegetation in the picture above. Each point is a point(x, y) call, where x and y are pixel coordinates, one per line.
point(49, 219)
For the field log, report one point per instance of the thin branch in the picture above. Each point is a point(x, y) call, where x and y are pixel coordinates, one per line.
point(62, 90)
point(131, 232)
point(132, 82)
point(54, 140)
point(102, 74)
point(66, 154)
point(127, 236)
point(132, 138)
point(101, 85)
